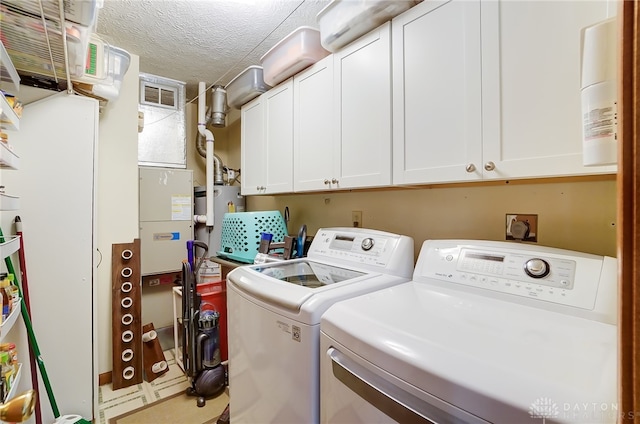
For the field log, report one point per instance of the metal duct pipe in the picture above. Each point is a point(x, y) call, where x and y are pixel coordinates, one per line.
point(218, 106)
point(218, 166)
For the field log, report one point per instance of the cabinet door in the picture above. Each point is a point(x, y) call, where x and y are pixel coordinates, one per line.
point(314, 121)
point(278, 147)
point(252, 147)
point(531, 86)
point(57, 187)
point(363, 105)
point(437, 126)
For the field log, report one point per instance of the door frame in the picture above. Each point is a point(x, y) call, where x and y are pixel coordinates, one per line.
point(629, 211)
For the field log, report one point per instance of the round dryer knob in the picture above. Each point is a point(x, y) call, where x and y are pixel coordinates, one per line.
point(537, 268)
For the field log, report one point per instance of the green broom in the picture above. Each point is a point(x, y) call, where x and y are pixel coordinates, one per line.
point(36, 349)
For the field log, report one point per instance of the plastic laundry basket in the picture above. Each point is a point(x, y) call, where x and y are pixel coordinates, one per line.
point(240, 238)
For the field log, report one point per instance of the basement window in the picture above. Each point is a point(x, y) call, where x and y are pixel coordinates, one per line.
point(158, 95)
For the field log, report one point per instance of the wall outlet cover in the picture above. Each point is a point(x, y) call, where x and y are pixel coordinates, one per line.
point(356, 218)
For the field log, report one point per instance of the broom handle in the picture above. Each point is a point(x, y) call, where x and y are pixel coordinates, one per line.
point(25, 291)
point(32, 336)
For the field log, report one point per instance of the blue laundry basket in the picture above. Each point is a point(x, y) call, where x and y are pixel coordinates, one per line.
point(240, 237)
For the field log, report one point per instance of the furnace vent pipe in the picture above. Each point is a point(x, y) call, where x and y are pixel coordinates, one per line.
point(208, 135)
point(218, 166)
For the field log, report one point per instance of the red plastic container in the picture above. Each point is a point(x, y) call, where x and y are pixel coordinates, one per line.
point(213, 296)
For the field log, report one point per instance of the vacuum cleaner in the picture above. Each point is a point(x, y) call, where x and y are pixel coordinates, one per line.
point(200, 334)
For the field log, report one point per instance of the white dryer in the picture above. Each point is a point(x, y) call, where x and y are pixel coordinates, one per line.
point(485, 332)
point(274, 315)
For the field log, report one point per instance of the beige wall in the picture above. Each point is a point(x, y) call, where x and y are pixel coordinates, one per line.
point(117, 195)
point(577, 214)
point(226, 145)
point(571, 215)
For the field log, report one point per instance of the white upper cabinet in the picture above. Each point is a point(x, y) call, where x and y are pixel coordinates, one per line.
point(362, 103)
point(531, 54)
point(489, 90)
point(343, 117)
point(267, 142)
point(314, 120)
point(252, 146)
point(448, 91)
point(279, 138)
point(437, 115)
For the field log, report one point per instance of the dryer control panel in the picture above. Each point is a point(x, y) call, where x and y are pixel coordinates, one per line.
point(532, 272)
point(519, 267)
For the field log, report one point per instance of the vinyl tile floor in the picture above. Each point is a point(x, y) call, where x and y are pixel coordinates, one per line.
point(116, 402)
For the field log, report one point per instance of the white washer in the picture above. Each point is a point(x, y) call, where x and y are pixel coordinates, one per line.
point(486, 332)
point(274, 315)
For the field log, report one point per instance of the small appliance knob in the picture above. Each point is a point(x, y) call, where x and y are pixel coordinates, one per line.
point(537, 268)
point(367, 243)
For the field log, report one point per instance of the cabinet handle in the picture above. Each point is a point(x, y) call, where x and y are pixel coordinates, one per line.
point(489, 166)
point(258, 188)
point(326, 182)
point(470, 167)
point(334, 181)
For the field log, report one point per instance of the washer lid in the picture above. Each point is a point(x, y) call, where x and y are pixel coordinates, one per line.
point(290, 284)
point(308, 274)
point(494, 359)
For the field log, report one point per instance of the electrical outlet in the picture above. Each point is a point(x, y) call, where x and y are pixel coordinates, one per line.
point(356, 218)
point(522, 227)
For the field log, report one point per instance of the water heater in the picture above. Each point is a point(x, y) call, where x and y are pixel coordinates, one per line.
point(599, 93)
point(226, 198)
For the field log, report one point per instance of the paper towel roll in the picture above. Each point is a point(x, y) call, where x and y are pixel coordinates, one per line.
point(599, 94)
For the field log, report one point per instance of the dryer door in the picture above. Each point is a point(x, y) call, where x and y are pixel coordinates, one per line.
point(356, 391)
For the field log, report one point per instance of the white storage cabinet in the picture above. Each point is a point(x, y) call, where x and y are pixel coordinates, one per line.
point(267, 142)
point(58, 211)
point(437, 127)
point(314, 120)
point(504, 107)
point(363, 103)
point(343, 117)
point(532, 118)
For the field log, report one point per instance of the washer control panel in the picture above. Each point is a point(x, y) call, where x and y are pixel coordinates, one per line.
point(353, 246)
point(362, 247)
point(534, 272)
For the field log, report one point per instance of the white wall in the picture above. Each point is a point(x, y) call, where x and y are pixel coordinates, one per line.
point(117, 196)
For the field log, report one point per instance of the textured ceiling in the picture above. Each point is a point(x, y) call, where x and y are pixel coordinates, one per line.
point(202, 40)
